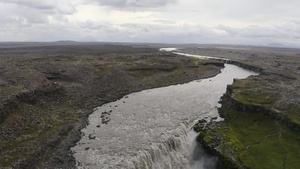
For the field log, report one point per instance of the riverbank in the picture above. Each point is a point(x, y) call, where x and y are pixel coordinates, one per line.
point(261, 126)
point(48, 91)
point(148, 129)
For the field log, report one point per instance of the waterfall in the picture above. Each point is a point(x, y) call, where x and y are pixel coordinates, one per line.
point(152, 129)
point(172, 153)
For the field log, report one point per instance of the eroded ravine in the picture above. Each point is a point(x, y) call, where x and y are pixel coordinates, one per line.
point(149, 129)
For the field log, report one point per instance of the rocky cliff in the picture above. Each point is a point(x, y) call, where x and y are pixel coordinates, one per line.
point(261, 113)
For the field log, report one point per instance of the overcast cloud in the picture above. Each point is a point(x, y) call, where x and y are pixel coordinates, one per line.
point(164, 21)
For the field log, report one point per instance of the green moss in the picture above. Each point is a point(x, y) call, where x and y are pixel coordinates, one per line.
point(251, 127)
point(258, 98)
point(253, 93)
point(103, 71)
point(248, 92)
point(234, 143)
point(11, 144)
point(261, 135)
point(142, 73)
point(128, 61)
point(266, 155)
point(195, 60)
point(36, 133)
point(9, 159)
point(100, 73)
point(291, 142)
point(294, 113)
point(247, 63)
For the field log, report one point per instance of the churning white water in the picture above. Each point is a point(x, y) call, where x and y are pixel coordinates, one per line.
point(152, 128)
point(201, 56)
point(168, 49)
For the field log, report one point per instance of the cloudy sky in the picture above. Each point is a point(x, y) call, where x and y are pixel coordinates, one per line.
point(252, 22)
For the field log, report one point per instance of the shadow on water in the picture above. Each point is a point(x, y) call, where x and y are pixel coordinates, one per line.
point(199, 158)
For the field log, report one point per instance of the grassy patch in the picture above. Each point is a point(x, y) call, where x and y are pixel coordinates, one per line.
point(291, 142)
point(249, 92)
point(196, 60)
point(128, 62)
point(234, 143)
point(267, 155)
point(249, 129)
point(294, 113)
point(102, 71)
point(258, 98)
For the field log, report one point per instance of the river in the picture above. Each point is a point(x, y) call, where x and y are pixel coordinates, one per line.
point(152, 128)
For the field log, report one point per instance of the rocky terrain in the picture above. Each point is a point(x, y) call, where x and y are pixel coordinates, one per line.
point(47, 91)
point(261, 113)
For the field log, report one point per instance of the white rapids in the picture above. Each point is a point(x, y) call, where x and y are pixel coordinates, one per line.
point(151, 129)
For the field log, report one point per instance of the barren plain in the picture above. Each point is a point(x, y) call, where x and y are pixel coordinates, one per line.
point(49, 89)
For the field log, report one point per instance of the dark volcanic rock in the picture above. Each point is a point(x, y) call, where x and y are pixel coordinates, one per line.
point(47, 92)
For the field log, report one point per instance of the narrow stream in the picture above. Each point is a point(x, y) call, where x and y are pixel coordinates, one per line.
point(152, 128)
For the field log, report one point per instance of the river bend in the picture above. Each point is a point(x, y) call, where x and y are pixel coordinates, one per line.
point(151, 128)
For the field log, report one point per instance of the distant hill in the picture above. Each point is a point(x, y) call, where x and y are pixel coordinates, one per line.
point(279, 45)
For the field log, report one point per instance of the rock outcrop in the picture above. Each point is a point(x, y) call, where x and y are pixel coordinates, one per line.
point(261, 113)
